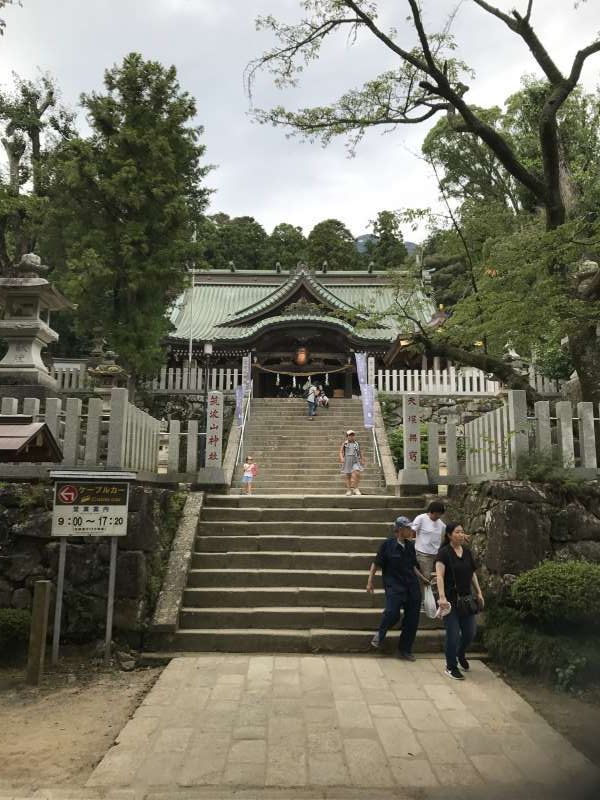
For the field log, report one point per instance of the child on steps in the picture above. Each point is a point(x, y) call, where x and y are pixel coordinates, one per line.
point(250, 472)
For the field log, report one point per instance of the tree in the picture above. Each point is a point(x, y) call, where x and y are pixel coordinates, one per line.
point(286, 246)
point(330, 241)
point(389, 251)
point(427, 80)
point(243, 240)
point(123, 204)
point(3, 4)
point(32, 124)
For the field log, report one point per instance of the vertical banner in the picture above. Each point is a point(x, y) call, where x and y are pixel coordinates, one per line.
point(371, 370)
point(246, 373)
point(411, 420)
point(361, 367)
point(368, 395)
point(214, 429)
point(239, 405)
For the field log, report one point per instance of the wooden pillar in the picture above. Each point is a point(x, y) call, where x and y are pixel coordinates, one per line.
point(348, 384)
point(257, 387)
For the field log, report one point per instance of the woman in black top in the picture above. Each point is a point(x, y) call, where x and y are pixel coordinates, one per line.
point(455, 570)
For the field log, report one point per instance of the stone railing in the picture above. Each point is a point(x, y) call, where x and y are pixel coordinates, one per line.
point(92, 436)
point(496, 442)
point(72, 379)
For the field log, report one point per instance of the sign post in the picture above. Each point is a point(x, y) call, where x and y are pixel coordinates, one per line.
point(89, 504)
point(412, 476)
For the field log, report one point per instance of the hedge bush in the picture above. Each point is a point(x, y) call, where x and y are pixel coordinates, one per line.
point(14, 629)
point(561, 596)
point(570, 661)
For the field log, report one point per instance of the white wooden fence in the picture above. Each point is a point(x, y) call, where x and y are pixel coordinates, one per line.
point(453, 382)
point(186, 380)
point(450, 382)
point(494, 443)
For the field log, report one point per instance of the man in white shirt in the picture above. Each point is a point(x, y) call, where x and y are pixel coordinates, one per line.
point(429, 530)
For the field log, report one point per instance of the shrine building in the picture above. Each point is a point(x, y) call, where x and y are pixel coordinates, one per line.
point(298, 324)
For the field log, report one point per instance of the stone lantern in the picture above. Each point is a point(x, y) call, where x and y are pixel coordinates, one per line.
point(107, 375)
point(27, 301)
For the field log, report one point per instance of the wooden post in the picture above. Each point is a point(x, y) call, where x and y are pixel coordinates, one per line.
point(72, 432)
point(451, 451)
point(38, 632)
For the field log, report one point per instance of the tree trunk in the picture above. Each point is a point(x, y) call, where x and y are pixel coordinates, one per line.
point(584, 347)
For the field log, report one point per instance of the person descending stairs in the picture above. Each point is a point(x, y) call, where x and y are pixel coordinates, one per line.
point(298, 457)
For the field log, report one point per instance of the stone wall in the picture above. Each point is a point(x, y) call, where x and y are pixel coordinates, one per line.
point(27, 554)
point(516, 524)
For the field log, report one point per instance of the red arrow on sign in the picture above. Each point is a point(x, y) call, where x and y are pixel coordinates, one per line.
point(68, 494)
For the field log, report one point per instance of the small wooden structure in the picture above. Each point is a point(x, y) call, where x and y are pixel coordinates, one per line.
point(23, 440)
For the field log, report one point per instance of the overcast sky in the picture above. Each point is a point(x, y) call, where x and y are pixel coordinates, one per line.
point(260, 172)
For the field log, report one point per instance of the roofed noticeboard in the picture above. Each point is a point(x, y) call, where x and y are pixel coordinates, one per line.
point(90, 508)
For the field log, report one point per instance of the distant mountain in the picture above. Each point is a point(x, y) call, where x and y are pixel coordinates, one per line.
point(362, 243)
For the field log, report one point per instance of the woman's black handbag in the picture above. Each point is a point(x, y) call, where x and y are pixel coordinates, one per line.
point(467, 605)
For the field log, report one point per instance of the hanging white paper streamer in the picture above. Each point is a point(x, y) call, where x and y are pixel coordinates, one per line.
point(277, 380)
point(294, 381)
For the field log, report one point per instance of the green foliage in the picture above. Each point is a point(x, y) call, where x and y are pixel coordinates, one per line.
point(545, 467)
point(123, 203)
point(14, 629)
point(286, 245)
point(396, 440)
point(570, 661)
point(389, 252)
point(331, 241)
point(224, 241)
point(560, 595)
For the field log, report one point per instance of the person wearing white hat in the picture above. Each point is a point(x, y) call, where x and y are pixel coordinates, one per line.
point(351, 463)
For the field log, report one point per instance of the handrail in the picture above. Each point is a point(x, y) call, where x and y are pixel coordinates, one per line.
point(238, 459)
point(376, 451)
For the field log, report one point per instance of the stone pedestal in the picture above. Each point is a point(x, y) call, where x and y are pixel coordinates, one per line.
point(27, 301)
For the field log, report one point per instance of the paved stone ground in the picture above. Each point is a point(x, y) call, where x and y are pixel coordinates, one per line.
point(223, 726)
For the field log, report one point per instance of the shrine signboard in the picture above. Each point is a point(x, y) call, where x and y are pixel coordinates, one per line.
point(412, 432)
point(214, 429)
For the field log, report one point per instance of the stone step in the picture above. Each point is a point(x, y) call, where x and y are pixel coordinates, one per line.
point(299, 528)
point(305, 483)
point(277, 577)
point(266, 491)
point(286, 544)
point(293, 618)
point(236, 596)
point(236, 514)
point(307, 501)
point(280, 559)
point(283, 640)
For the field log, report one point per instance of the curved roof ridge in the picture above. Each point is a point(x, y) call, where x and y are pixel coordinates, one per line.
point(301, 276)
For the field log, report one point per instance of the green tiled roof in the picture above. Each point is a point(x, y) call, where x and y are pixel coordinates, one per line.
point(218, 305)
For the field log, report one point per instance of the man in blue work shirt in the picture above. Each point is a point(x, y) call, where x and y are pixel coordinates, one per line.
point(398, 562)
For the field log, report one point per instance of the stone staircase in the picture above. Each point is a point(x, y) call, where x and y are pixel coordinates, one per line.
point(285, 570)
point(298, 456)
point(288, 574)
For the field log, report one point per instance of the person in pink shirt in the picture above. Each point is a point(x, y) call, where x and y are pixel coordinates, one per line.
point(250, 472)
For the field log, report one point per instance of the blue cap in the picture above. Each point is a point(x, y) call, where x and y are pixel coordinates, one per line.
point(402, 522)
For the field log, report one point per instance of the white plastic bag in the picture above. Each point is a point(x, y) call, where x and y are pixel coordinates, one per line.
point(429, 603)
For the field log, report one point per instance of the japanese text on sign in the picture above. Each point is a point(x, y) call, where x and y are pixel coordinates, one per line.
point(90, 509)
point(412, 433)
point(214, 429)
